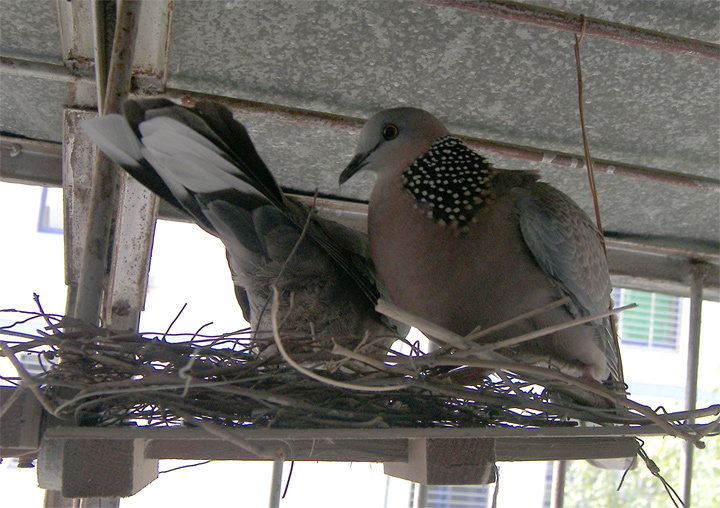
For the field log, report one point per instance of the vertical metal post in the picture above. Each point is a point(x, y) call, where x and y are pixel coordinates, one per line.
point(103, 199)
point(557, 491)
point(100, 48)
point(86, 298)
point(77, 170)
point(693, 357)
point(54, 499)
point(421, 495)
point(276, 481)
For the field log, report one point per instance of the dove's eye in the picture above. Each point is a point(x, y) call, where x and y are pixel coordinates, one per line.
point(390, 132)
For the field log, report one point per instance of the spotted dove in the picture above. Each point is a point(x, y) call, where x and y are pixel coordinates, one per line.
point(463, 244)
point(203, 162)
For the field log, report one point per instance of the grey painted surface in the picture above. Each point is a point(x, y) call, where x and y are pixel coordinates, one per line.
point(31, 107)
point(30, 30)
point(484, 77)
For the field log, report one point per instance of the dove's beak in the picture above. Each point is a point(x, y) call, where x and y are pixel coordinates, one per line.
point(356, 164)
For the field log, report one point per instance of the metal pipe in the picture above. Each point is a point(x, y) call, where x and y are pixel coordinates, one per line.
point(693, 358)
point(421, 495)
point(99, 50)
point(123, 52)
point(597, 28)
point(105, 175)
point(557, 490)
point(276, 480)
point(352, 124)
point(634, 243)
point(271, 111)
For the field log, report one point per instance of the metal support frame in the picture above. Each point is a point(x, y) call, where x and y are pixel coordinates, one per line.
point(420, 496)
point(77, 169)
point(130, 256)
point(97, 232)
point(77, 42)
point(92, 278)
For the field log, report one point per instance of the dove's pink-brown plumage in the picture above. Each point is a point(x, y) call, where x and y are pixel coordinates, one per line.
point(520, 245)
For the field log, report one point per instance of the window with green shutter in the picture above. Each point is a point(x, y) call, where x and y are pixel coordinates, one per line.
point(654, 323)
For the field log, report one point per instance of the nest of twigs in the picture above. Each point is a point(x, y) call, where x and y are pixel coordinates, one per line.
point(99, 377)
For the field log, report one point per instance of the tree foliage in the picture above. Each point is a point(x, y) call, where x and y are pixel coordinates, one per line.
point(589, 487)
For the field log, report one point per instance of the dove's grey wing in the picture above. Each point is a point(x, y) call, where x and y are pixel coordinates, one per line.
point(568, 247)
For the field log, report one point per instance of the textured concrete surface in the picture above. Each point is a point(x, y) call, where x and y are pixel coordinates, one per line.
point(484, 77)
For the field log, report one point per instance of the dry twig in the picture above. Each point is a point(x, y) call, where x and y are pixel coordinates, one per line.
point(105, 377)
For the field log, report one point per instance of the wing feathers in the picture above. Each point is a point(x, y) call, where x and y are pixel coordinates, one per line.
point(112, 134)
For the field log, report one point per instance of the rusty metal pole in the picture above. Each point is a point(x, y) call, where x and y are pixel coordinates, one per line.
point(693, 358)
point(105, 175)
point(100, 48)
point(93, 274)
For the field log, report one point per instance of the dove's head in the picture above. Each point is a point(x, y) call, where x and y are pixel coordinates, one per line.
point(392, 139)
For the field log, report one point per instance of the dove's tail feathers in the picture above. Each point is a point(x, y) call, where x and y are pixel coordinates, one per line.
point(203, 162)
point(113, 135)
point(187, 156)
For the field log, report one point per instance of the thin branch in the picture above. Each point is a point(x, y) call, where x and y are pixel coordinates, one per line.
point(368, 360)
point(478, 333)
point(50, 324)
point(433, 332)
point(27, 379)
point(285, 264)
point(595, 388)
point(591, 176)
point(136, 378)
point(311, 374)
point(542, 332)
point(227, 435)
point(7, 403)
point(174, 320)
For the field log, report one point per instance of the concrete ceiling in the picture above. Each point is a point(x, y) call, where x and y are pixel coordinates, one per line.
point(485, 77)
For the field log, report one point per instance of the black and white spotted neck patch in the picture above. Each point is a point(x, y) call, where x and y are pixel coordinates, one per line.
point(450, 183)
